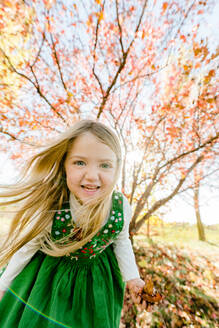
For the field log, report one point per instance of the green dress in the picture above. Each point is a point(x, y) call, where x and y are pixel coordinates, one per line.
point(82, 290)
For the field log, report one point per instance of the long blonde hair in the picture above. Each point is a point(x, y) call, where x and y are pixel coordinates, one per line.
point(42, 190)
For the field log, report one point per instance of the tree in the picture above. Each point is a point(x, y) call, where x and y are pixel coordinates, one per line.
point(200, 227)
point(111, 60)
point(15, 24)
point(181, 137)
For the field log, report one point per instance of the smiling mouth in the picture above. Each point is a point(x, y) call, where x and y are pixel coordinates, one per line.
point(90, 188)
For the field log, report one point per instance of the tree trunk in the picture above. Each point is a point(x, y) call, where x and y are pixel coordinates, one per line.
point(200, 226)
point(148, 228)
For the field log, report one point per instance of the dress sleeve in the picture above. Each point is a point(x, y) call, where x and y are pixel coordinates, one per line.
point(19, 260)
point(123, 247)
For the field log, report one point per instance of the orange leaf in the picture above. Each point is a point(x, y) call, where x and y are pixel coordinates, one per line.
point(197, 65)
point(216, 54)
point(207, 79)
point(149, 287)
point(187, 68)
point(182, 37)
point(90, 20)
point(211, 72)
point(164, 7)
point(197, 51)
point(149, 294)
point(152, 299)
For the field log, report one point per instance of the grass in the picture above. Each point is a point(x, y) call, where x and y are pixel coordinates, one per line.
point(184, 236)
point(182, 233)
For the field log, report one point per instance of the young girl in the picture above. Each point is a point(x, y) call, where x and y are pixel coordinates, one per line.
point(68, 247)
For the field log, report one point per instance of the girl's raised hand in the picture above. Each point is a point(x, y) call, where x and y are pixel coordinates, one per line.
point(1, 294)
point(135, 287)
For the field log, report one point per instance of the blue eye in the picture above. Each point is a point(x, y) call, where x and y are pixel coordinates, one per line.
point(79, 163)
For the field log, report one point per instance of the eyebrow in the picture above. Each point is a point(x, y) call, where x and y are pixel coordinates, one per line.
point(84, 157)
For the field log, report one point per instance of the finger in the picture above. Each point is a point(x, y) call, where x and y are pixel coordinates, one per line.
point(138, 292)
point(134, 299)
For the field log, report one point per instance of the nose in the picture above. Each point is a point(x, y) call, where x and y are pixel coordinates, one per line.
point(92, 173)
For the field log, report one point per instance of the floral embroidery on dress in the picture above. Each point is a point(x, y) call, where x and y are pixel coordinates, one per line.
point(63, 225)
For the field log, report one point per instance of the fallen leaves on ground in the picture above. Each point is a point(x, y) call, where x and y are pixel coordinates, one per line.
point(187, 285)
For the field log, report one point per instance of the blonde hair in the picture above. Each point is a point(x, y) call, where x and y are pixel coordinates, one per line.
point(42, 190)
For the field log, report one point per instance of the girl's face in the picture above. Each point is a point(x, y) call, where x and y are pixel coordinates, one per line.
point(90, 167)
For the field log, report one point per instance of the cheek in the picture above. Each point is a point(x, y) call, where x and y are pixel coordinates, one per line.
point(109, 178)
point(71, 175)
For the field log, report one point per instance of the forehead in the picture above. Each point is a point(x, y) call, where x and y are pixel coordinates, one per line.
point(88, 145)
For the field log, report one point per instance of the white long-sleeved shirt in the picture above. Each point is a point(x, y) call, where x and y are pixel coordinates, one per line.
point(122, 248)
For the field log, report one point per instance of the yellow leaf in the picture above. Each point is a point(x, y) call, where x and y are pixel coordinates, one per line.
point(208, 275)
point(192, 276)
point(210, 100)
point(100, 16)
point(70, 94)
point(142, 264)
point(8, 4)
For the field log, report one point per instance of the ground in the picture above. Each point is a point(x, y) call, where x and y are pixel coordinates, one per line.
point(184, 270)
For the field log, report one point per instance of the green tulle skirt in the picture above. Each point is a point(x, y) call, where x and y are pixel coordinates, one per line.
point(59, 292)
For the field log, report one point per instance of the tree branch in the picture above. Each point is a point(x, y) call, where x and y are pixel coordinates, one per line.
point(122, 65)
point(57, 62)
point(120, 28)
point(209, 141)
point(163, 201)
point(94, 53)
point(39, 51)
point(15, 138)
point(36, 86)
